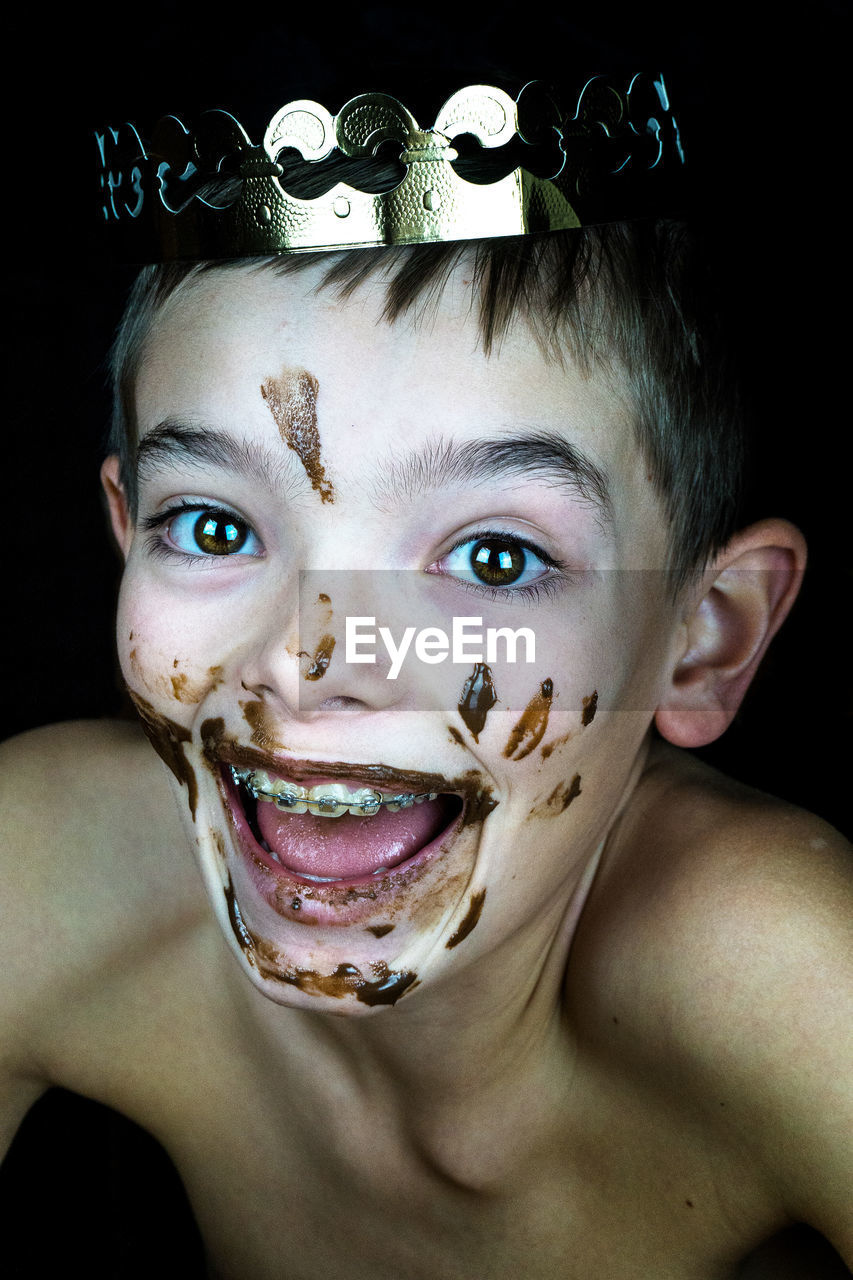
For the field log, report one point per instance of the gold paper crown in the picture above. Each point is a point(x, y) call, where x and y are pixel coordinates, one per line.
point(214, 194)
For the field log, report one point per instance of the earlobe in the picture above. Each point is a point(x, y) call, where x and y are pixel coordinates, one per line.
point(745, 598)
point(120, 520)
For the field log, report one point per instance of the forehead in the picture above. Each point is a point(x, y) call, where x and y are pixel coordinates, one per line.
point(224, 333)
point(226, 337)
point(383, 394)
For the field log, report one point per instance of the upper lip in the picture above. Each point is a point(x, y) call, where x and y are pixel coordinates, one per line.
point(382, 777)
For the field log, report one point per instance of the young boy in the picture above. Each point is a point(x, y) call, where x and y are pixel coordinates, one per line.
point(498, 981)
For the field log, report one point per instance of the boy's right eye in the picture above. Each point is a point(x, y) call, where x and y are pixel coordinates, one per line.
point(213, 533)
point(201, 532)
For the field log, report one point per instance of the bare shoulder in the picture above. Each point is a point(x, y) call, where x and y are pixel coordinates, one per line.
point(87, 818)
point(734, 912)
point(89, 829)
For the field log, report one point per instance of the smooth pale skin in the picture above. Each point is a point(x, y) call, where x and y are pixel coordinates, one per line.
point(647, 1079)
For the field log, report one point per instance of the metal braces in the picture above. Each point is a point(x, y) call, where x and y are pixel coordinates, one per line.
point(328, 804)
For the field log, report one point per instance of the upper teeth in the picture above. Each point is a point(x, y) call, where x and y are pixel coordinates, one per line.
point(328, 800)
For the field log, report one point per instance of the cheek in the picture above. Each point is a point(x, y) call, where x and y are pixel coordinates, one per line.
point(167, 658)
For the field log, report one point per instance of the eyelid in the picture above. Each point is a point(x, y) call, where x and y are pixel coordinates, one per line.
point(159, 523)
point(553, 580)
point(480, 535)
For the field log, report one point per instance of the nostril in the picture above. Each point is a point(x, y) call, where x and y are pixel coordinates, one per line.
point(342, 703)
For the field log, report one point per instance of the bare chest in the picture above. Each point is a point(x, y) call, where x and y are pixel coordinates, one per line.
point(294, 1192)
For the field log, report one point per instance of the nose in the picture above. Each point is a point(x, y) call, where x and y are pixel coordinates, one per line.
point(298, 664)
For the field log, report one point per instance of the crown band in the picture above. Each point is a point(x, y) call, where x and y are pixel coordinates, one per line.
point(214, 194)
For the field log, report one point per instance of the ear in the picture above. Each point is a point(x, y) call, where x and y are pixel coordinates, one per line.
point(731, 619)
point(122, 525)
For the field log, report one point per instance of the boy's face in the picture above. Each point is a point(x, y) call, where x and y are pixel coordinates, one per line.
point(302, 462)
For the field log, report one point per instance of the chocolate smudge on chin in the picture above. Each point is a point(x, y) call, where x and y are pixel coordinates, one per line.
point(387, 988)
point(477, 699)
point(243, 935)
point(590, 706)
point(321, 659)
point(469, 923)
point(551, 746)
point(347, 980)
point(168, 739)
point(292, 401)
point(532, 723)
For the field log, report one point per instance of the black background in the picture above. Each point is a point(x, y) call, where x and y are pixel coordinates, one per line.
point(766, 131)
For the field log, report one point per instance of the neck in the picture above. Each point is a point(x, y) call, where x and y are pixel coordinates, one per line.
point(484, 1050)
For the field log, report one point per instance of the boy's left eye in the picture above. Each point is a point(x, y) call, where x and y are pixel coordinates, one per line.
point(494, 560)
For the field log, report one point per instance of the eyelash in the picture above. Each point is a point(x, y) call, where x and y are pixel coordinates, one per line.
point(529, 592)
point(160, 549)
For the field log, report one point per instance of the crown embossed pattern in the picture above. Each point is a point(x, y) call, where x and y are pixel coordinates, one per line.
point(213, 193)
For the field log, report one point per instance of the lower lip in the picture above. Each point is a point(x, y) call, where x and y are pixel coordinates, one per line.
point(340, 902)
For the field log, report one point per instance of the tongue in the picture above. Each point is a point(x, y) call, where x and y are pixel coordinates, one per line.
point(350, 846)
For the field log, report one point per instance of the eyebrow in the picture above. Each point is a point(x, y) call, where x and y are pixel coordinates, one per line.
point(540, 454)
point(439, 464)
point(193, 445)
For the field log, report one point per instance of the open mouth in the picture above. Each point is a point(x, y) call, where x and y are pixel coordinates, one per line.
point(338, 831)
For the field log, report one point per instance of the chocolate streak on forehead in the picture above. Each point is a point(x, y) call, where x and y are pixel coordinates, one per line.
point(292, 401)
point(167, 739)
point(478, 698)
point(531, 724)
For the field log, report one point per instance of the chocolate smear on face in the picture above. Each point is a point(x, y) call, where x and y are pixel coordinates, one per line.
point(470, 921)
point(379, 930)
point(563, 795)
point(238, 927)
point(532, 724)
point(347, 980)
point(255, 714)
point(590, 706)
point(212, 735)
point(478, 698)
point(168, 739)
point(387, 987)
point(179, 688)
point(550, 747)
point(292, 401)
point(321, 659)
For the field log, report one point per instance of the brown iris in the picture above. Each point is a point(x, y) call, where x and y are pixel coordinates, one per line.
point(497, 561)
point(218, 534)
